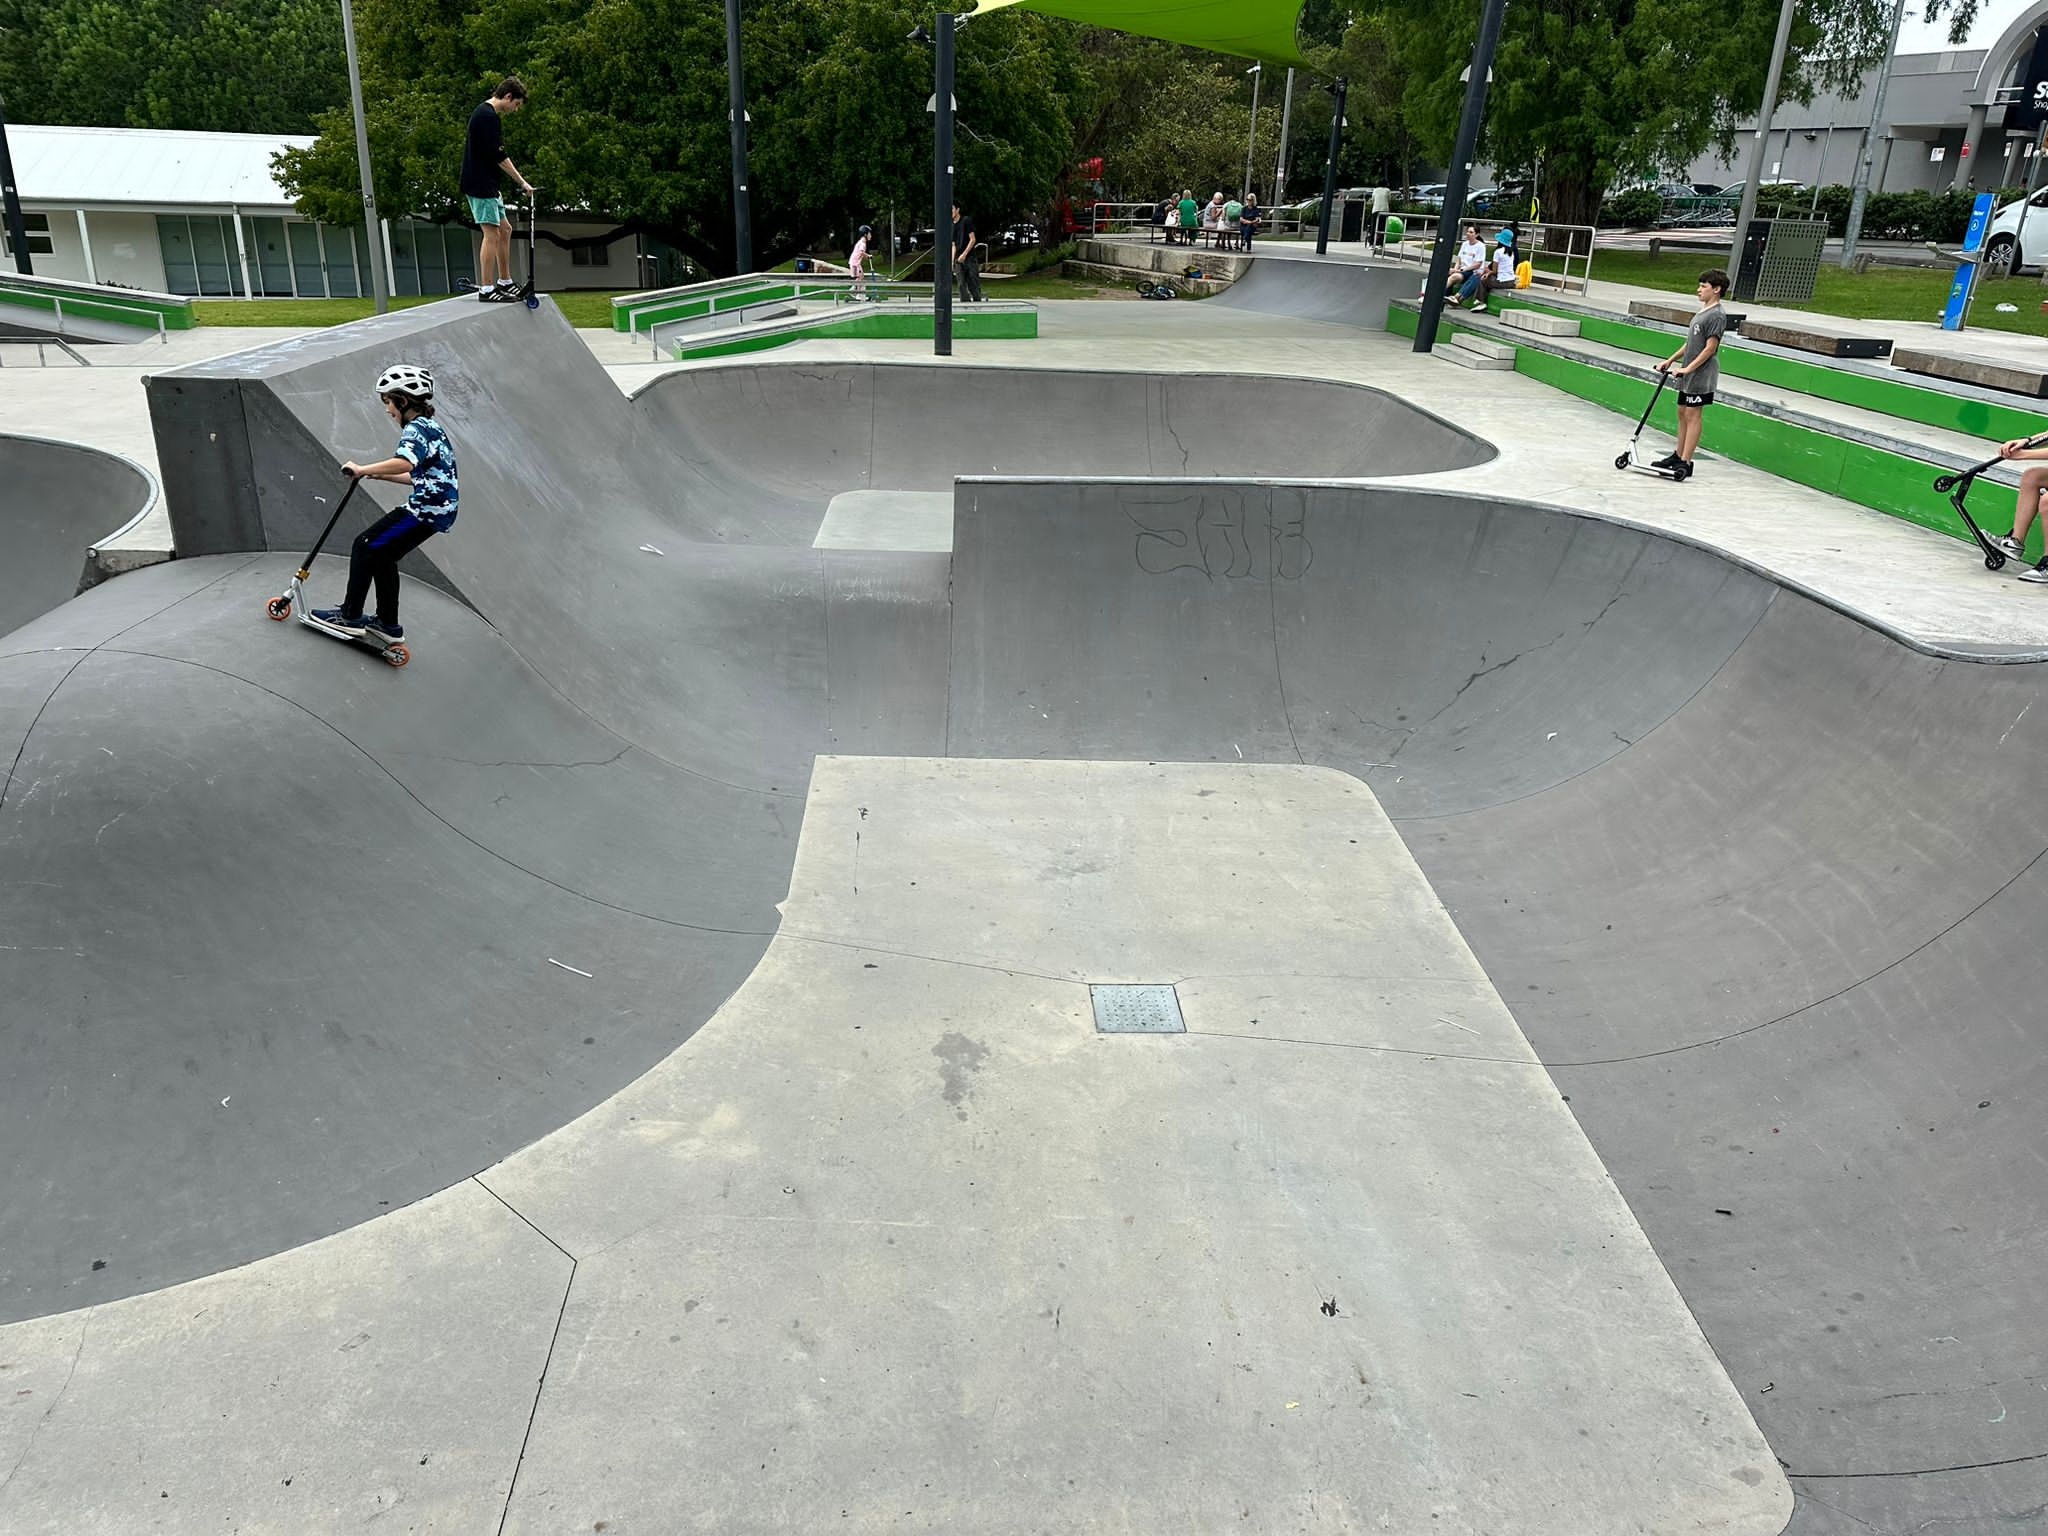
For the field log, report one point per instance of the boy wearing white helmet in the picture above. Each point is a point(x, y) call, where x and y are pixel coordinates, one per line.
point(425, 461)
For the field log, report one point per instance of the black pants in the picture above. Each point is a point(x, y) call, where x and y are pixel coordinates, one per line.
point(967, 275)
point(374, 557)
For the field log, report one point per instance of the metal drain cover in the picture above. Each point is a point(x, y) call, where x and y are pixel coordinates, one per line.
point(1127, 1010)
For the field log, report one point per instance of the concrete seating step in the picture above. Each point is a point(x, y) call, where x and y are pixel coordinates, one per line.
point(1538, 323)
point(1672, 312)
point(1986, 372)
point(1485, 346)
point(1813, 338)
point(1459, 350)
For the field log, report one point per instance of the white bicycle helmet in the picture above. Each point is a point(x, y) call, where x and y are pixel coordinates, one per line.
point(406, 379)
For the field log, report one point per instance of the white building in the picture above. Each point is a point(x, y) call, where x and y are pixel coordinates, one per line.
point(1960, 118)
point(202, 214)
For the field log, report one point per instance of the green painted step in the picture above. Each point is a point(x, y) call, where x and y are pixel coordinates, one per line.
point(1889, 397)
point(1886, 482)
point(119, 307)
point(971, 322)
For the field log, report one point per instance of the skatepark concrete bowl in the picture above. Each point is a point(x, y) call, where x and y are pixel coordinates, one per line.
point(1704, 832)
point(60, 499)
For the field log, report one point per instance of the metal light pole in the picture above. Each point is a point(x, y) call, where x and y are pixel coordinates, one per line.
point(1330, 167)
point(1258, 73)
point(1763, 132)
point(942, 189)
point(1854, 228)
point(1277, 193)
point(1477, 79)
point(17, 229)
point(380, 288)
point(736, 90)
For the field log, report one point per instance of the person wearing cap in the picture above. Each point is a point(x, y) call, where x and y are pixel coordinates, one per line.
point(1480, 286)
point(857, 263)
point(425, 462)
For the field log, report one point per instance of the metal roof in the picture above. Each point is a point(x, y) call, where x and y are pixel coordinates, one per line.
point(147, 167)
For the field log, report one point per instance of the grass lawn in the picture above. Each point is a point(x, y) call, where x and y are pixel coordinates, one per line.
point(1883, 293)
point(583, 309)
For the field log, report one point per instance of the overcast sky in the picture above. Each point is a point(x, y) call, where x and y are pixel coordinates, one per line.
point(1917, 36)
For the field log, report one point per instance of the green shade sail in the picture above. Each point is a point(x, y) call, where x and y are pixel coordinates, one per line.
point(1251, 29)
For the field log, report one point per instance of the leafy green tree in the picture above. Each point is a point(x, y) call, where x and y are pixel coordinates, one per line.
point(1591, 92)
point(1190, 131)
point(627, 114)
point(233, 66)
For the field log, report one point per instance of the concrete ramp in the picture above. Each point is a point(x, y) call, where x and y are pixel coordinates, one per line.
point(59, 500)
point(1340, 292)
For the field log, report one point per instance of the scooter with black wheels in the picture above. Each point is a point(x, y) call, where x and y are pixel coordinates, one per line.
point(1956, 488)
point(1632, 459)
point(294, 597)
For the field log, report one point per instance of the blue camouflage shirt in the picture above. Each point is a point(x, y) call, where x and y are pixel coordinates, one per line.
point(424, 445)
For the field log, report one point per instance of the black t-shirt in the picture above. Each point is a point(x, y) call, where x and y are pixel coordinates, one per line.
point(963, 227)
point(481, 153)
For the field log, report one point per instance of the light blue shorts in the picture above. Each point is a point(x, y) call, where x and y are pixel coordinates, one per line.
point(487, 210)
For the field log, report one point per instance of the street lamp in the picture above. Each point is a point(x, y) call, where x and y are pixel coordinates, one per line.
point(380, 288)
point(1258, 73)
point(736, 93)
point(941, 108)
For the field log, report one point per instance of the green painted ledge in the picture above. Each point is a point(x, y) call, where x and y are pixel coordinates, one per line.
point(1890, 397)
point(1870, 477)
point(177, 316)
point(969, 324)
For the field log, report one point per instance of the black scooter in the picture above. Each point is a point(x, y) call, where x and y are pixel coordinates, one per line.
point(1956, 488)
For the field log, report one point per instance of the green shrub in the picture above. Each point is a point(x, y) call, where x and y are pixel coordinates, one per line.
point(1636, 208)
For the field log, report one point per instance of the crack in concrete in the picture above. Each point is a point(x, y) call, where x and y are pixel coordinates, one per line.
point(84, 1329)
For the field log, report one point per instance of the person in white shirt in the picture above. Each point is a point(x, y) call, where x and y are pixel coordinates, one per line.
point(1471, 259)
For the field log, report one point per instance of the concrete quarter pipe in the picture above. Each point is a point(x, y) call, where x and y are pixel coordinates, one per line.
point(1724, 852)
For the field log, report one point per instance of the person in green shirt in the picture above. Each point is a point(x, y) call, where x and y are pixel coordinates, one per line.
point(1189, 213)
point(1231, 227)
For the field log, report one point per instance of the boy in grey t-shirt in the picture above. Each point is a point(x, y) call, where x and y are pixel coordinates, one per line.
point(1697, 364)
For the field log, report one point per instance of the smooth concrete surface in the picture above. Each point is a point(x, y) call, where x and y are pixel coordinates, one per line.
point(379, 1380)
point(909, 520)
point(1765, 932)
point(900, 1241)
point(60, 499)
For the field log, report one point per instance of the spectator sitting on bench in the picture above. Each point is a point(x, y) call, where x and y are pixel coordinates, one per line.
point(1212, 219)
point(1249, 219)
point(1470, 263)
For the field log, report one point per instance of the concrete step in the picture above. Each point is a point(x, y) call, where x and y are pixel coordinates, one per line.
point(1460, 351)
point(1485, 346)
point(1540, 324)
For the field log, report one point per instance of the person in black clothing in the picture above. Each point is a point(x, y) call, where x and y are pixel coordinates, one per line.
point(966, 257)
point(483, 157)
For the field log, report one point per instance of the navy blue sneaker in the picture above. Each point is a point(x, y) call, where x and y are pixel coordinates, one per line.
point(377, 629)
point(334, 618)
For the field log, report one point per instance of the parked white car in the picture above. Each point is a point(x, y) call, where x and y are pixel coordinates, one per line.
point(2002, 238)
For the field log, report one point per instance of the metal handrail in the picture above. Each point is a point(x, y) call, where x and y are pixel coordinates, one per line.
point(813, 285)
point(40, 342)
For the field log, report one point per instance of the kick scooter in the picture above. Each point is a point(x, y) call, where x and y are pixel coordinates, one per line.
point(1642, 466)
point(1957, 488)
point(294, 596)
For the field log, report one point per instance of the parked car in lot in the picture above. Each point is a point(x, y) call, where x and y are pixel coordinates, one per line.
point(2002, 253)
point(1430, 197)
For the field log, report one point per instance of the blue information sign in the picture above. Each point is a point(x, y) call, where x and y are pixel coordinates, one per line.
point(1966, 274)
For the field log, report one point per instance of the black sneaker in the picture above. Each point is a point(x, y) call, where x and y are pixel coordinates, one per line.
point(1669, 461)
point(377, 629)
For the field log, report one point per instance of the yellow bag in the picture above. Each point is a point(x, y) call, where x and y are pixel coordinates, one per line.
point(1525, 274)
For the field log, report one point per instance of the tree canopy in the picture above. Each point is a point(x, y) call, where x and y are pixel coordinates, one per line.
point(229, 66)
point(627, 114)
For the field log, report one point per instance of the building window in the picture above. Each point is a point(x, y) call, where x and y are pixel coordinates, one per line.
point(37, 227)
point(590, 255)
